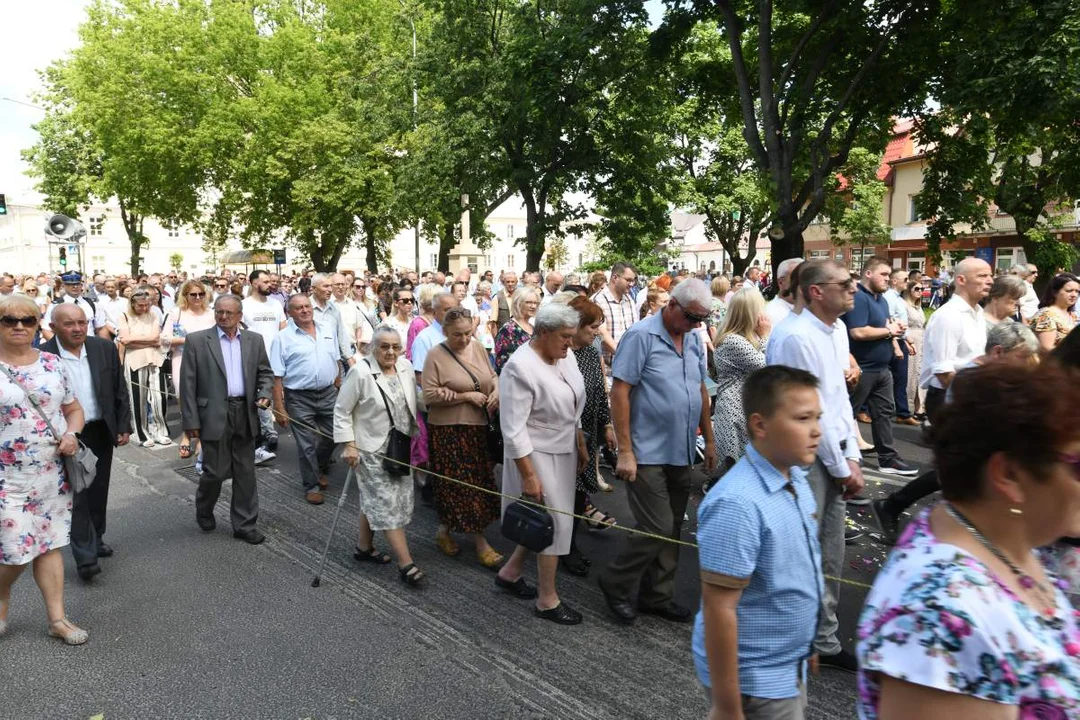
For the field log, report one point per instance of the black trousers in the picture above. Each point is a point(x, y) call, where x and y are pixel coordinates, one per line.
point(88, 508)
point(927, 483)
point(231, 456)
point(875, 388)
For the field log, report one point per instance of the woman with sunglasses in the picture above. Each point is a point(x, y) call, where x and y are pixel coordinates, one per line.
point(916, 328)
point(192, 313)
point(35, 499)
point(402, 316)
point(139, 341)
point(964, 620)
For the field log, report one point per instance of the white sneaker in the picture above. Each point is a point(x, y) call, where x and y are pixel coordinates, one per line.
point(263, 455)
point(164, 440)
point(148, 443)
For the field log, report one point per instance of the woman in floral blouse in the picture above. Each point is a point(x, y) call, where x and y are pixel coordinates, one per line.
point(964, 621)
point(1055, 317)
point(523, 306)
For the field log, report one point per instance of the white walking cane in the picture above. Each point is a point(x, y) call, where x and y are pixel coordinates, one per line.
point(333, 524)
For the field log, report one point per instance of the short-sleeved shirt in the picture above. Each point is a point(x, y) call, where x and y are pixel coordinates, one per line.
point(264, 318)
point(619, 315)
point(304, 362)
point(665, 401)
point(758, 526)
point(938, 617)
point(871, 310)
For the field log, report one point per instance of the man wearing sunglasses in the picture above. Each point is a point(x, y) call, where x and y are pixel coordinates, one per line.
point(73, 293)
point(658, 404)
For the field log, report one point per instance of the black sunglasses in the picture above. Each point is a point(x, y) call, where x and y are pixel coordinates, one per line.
point(9, 321)
point(691, 316)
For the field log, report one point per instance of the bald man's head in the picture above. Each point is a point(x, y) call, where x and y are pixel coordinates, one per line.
point(973, 279)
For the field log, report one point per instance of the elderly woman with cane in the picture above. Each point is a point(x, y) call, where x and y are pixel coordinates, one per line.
point(379, 394)
point(543, 396)
point(35, 498)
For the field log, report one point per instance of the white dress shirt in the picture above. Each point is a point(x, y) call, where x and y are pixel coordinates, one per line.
point(778, 309)
point(955, 335)
point(82, 381)
point(803, 341)
point(1029, 304)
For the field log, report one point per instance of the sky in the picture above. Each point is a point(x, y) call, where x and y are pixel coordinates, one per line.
point(36, 32)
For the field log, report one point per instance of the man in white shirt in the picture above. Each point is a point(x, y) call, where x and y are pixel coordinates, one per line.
point(898, 366)
point(1029, 304)
point(114, 304)
point(956, 332)
point(808, 342)
point(265, 316)
point(73, 293)
point(780, 306)
point(552, 285)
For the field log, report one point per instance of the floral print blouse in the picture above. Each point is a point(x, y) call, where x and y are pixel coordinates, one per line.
point(938, 617)
point(1046, 320)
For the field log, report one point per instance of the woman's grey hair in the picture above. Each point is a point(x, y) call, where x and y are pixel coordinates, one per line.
point(692, 291)
point(564, 297)
point(1007, 286)
point(1009, 335)
point(571, 279)
point(377, 336)
point(556, 316)
point(483, 288)
point(520, 296)
point(428, 293)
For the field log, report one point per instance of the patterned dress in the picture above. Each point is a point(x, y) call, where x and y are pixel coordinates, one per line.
point(387, 500)
point(597, 412)
point(1046, 320)
point(734, 360)
point(510, 337)
point(35, 500)
point(939, 618)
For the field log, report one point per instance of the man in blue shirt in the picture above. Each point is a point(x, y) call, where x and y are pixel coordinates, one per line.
point(304, 357)
point(658, 403)
point(761, 576)
point(873, 337)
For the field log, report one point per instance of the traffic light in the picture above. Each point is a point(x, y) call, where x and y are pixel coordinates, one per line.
point(63, 257)
point(3, 205)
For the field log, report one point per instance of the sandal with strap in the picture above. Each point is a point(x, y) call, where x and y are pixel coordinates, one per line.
point(411, 575)
point(371, 555)
point(68, 632)
point(598, 519)
point(185, 451)
point(447, 545)
point(490, 559)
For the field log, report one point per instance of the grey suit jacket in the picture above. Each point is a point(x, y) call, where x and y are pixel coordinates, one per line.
point(204, 401)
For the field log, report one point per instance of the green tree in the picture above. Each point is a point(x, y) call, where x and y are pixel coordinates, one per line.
point(1005, 136)
point(857, 211)
point(176, 261)
point(812, 81)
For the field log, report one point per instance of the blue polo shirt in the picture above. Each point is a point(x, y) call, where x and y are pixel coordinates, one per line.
point(871, 310)
point(751, 525)
point(665, 402)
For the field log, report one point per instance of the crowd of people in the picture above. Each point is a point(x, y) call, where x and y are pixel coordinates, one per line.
point(482, 390)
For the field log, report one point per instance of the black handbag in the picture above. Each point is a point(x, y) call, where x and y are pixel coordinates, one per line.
point(398, 445)
point(493, 435)
point(528, 525)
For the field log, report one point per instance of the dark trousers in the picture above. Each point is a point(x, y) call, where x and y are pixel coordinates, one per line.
point(310, 411)
point(88, 507)
point(233, 455)
point(875, 389)
point(658, 501)
point(935, 400)
point(898, 368)
point(927, 483)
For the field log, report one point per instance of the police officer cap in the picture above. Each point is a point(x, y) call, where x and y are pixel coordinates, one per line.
point(71, 277)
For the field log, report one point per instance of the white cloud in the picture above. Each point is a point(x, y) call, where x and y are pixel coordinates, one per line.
point(35, 34)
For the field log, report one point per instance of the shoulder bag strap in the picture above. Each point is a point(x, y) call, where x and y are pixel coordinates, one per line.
point(386, 402)
point(33, 401)
point(475, 382)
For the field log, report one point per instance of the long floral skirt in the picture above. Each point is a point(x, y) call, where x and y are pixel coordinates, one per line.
point(460, 452)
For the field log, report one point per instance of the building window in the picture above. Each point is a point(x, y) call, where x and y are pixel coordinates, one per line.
point(96, 223)
point(818, 255)
point(434, 261)
point(509, 232)
point(913, 209)
point(172, 229)
point(916, 261)
point(1005, 258)
point(509, 261)
point(838, 256)
point(98, 261)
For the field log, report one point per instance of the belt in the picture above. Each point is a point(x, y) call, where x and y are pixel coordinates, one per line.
point(309, 390)
point(237, 398)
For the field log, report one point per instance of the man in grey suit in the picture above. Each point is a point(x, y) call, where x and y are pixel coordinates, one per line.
point(224, 380)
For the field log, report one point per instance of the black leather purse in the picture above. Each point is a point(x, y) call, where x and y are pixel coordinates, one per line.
point(396, 462)
point(528, 525)
point(494, 436)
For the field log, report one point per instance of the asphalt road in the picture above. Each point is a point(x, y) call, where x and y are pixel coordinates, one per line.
point(188, 624)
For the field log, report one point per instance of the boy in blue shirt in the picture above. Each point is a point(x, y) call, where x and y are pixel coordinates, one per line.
point(761, 577)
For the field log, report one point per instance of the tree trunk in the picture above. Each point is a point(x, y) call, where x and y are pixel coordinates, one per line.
point(371, 242)
point(133, 226)
point(790, 246)
point(446, 244)
point(534, 236)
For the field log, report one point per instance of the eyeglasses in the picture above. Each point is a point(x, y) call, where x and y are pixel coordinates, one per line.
point(221, 287)
point(404, 300)
point(395, 347)
point(691, 316)
point(196, 295)
point(31, 291)
point(359, 286)
point(10, 321)
point(455, 314)
point(845, 284)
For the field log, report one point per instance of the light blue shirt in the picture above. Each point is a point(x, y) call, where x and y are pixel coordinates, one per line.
point(426, 339)
point(897, 307)
point(82, 381)
point(750, 526)
point(234, 364)
point(305, 362)
point(665, 401)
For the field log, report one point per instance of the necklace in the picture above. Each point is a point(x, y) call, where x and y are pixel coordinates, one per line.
point(1027, 582)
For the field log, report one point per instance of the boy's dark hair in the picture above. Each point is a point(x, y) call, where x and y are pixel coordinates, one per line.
point(762, 391)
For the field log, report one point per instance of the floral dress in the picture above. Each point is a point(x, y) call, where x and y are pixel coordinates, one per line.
point(717, 313)
point(1046, 320)
point(35, 500)
point(510, 337)
point(387, 500)
point(939, 618)
point(735, 359)
point(596, 415)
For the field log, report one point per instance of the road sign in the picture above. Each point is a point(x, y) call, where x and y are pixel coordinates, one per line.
point(279, 256)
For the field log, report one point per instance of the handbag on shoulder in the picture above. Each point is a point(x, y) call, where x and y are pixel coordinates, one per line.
point(527, 525)
point(80, 469)
point(398, 444)
point(493, 435)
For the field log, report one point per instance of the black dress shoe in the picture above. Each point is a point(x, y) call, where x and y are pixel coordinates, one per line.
point(87, 572)
point(251, 537)
point(104, 550)
point(671, 611)
point(624, 612)
point(206, 524)
point(519, 587)
point(561, 613)
point(842, 660)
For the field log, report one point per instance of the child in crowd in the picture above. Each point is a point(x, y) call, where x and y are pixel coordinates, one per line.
point(761, 575)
